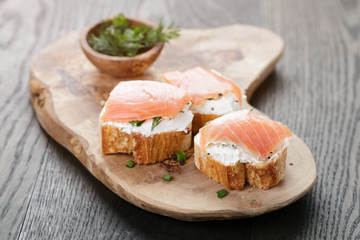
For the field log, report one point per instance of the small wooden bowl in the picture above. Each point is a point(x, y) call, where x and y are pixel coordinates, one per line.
point(120, 66)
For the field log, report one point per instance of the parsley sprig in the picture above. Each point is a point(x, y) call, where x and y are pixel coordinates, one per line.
point(119, 38)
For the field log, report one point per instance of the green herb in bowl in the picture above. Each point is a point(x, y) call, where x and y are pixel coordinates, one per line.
point(118, 37)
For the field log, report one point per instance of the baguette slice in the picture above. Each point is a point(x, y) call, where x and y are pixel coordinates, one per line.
point(261, 175)
point(232, 177)
point(242, 146)
point(147, 118)
point(203, 85)
point(151, 149)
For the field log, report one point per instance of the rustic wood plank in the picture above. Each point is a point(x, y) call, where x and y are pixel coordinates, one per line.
point(22, 143)
point(319, 72)
point(318, 78)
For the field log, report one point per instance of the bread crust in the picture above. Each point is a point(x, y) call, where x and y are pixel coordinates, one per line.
point(263, 175)
point(200, 119)
point(232, 177)
point(152, 149)
point(268, 174)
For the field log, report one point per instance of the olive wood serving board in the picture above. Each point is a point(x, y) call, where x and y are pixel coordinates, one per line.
point(67, 93)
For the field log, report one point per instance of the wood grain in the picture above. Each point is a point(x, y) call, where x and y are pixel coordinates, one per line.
point(66, 92)
point(46, 193)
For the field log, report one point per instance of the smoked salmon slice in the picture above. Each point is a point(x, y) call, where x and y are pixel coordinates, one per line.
point(202, 84)
point(140, 100)
point(259, 135)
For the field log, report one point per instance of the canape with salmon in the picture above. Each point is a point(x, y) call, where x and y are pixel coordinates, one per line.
point(242, 147)
point(212, 95)
point(150, 119)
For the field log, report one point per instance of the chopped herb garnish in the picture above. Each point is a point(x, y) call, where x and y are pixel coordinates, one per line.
point(130, 164)
point(167, 177)
point(181, 155)
point(156, 121)
point(207, 123)
point(182, 111)
point(119, 38)
point(251, 109)
point(222, 193)
point(137, 123)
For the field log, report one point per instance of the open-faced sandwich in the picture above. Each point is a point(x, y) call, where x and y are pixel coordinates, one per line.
point(242, 146)
point(150, 119)
point(212, 95)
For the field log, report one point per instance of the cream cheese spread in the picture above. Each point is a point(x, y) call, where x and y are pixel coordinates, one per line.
point(229, 154)
point(224, 104)
point(178, 124)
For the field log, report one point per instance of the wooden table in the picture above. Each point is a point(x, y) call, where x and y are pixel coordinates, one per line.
point(45, 193)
